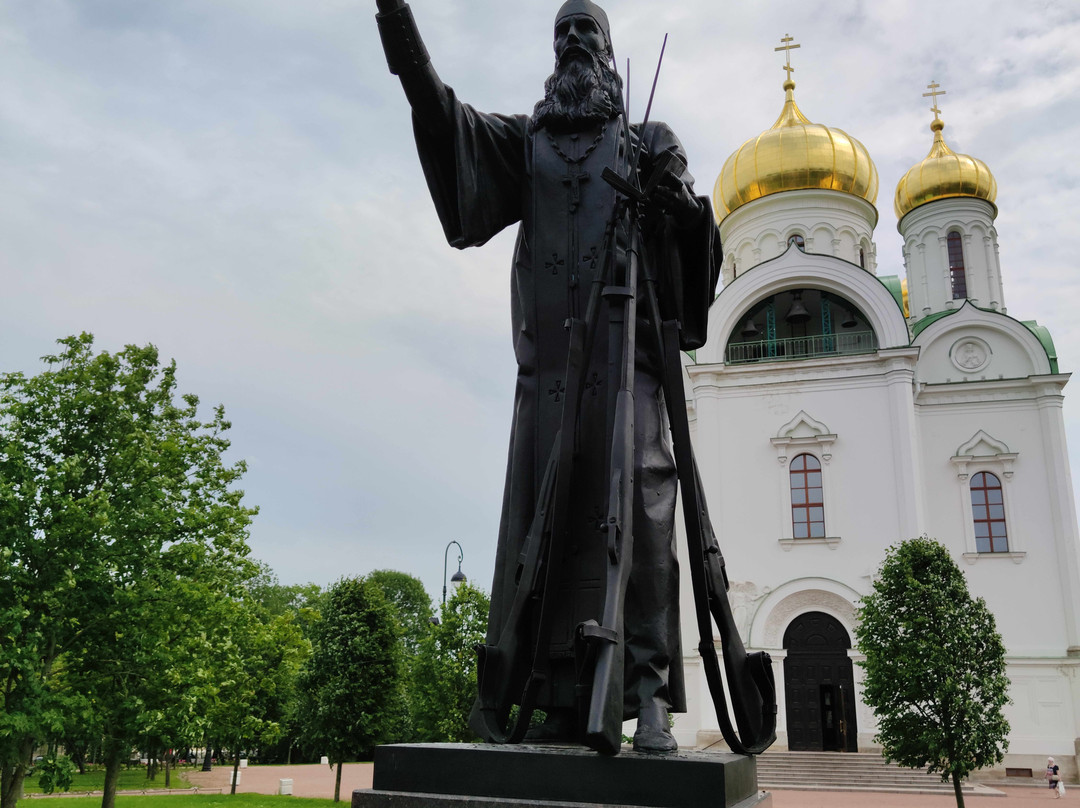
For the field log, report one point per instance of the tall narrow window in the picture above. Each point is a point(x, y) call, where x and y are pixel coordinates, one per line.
point(988, 510)
point(807, 502)
point(956, 266)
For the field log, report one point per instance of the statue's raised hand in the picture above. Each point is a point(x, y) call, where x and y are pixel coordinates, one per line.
point(386, 6)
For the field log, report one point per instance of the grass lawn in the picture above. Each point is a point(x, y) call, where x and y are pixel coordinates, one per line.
point(185, 801)
point(130, 780)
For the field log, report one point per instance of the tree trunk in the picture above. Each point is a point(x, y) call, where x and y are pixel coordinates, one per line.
point(78, 756)
point(207, 754)
point(11, 782)
point(12, 775)
point(956, 788)
point(168, 760)
point(235, 769)
point(337, 783)
point(112, 775)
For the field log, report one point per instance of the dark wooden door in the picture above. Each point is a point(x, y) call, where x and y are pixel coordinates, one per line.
point(819, 684)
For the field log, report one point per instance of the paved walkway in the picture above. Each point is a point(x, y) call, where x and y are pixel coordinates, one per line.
point(309, 780)
point(1015, 797)
point(318, 781)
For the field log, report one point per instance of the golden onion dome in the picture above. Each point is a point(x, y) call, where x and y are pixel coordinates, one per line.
point(794, 155)
point(942, 174)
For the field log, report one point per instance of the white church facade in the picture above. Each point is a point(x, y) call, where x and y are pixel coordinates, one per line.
point(837, 413)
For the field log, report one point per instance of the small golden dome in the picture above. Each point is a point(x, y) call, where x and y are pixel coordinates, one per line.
point(794, 155)
point(943, 174)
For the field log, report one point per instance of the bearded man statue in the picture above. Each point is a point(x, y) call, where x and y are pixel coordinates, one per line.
point(543, 172)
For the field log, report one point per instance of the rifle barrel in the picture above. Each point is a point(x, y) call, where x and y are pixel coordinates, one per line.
point(648, 107)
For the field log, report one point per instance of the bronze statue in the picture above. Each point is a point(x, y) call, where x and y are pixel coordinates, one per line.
point(576, 235)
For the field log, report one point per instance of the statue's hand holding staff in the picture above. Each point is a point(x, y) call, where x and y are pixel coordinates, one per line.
point(674, 198)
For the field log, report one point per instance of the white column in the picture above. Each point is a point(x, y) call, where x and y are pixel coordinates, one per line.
point(1062, 511)
point(1001, 281)
point(906, 454)
point(778, 657)
point(924, 273)
point(974, 294)
point(945, 274)
point(994, 293)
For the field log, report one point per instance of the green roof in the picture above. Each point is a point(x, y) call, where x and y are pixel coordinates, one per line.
point(1040, 331)
point(1043, 335)
point(917, 328)
point(895, 287)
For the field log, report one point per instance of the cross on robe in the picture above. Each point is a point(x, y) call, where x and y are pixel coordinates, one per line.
point(554, 263)
point(573, 180)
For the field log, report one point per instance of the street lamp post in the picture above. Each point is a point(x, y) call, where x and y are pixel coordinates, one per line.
point(459, 576)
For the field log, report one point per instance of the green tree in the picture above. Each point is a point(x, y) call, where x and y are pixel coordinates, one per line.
point(411, 602)
point(302, 601)
point(300, 605)
point(120, 523)
point(444, 677)
point(413, 609)
point(352, 686)
point(259, 662)
point(935, 665)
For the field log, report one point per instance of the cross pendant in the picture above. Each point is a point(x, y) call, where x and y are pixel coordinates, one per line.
point(573, 180)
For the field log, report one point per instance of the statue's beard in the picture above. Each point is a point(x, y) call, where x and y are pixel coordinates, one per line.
point(582, 92)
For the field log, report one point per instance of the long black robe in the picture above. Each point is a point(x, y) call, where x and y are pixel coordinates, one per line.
point(491, 172)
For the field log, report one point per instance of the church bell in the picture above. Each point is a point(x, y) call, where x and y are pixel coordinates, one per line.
point(749, 330)
point(849, 320)
point(797, 313)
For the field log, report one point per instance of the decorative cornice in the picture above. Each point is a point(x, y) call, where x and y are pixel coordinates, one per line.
point(831, 372)
point(996, 446)
point(813, 433)
point(991, 390)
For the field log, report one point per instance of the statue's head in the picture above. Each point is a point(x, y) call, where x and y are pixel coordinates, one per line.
point(584, 90)
point(582, 24)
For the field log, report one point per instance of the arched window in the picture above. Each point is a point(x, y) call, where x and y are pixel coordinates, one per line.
point(797, 240)
point(807, 502)
point(988, 511)
point(956, 266)
point(862, 257)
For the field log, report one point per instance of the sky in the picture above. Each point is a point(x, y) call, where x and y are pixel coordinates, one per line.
point(235, 182)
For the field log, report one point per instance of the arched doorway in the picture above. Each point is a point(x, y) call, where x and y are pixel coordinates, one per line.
point(820, 685)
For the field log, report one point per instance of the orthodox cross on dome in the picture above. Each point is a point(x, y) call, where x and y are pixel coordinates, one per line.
point(787, 47)
point(934, 93)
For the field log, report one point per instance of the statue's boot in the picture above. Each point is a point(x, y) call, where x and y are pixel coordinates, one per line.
point(561, 724)
point(654, 729)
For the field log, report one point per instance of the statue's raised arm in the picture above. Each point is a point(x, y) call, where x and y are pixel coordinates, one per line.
point(408, 60)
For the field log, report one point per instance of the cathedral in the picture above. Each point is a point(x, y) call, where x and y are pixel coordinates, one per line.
point(837, 412)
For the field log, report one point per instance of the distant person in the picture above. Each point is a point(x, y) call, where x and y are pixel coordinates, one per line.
point(1053, 777)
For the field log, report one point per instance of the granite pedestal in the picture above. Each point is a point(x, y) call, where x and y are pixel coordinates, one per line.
point(548, 776)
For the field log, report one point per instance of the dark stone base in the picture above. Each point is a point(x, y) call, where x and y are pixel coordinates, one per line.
point(548, 776)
